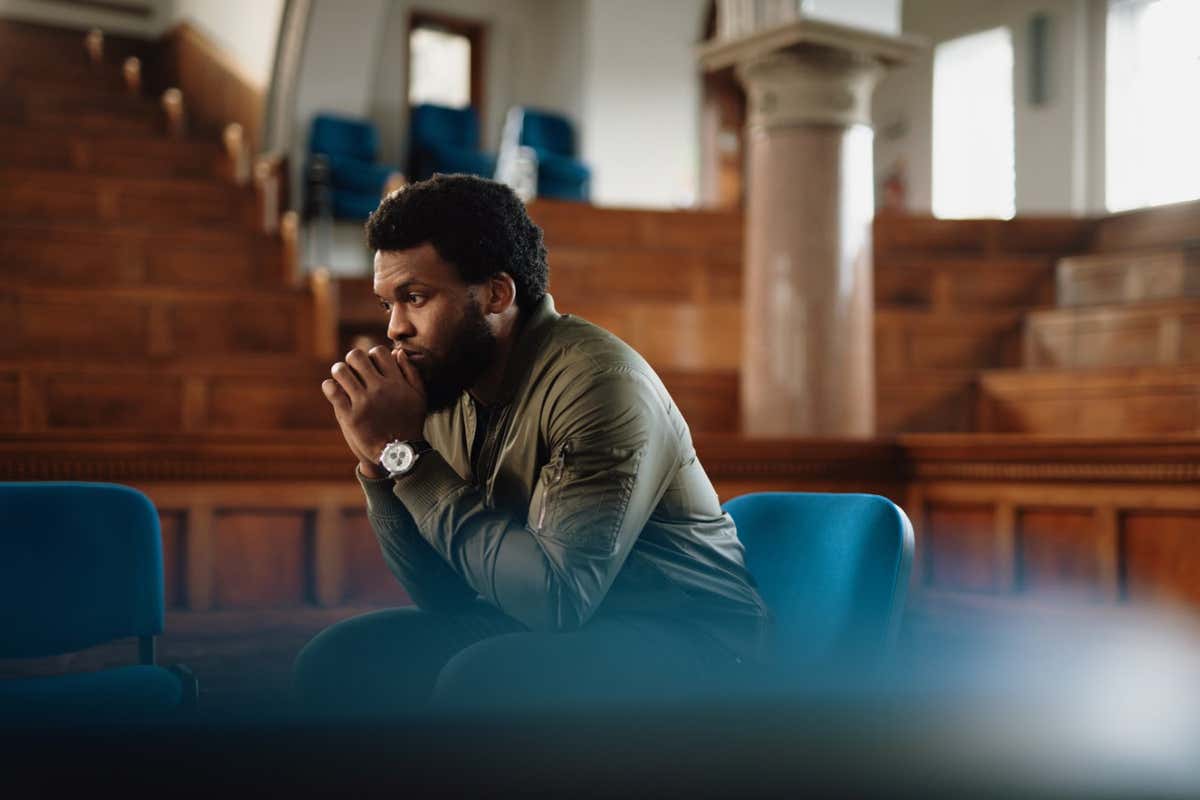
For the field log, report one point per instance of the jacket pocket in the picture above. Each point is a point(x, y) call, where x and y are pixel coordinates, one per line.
point(549, 478)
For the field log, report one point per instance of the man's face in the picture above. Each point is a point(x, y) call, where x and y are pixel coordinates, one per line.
point(436, 319)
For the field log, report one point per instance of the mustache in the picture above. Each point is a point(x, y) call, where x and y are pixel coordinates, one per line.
point(411, 350)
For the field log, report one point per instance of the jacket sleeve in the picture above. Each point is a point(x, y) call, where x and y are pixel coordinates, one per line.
point(431, 584)
point(612, 454)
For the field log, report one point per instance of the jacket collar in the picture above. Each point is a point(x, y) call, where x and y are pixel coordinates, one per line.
point(533, 334)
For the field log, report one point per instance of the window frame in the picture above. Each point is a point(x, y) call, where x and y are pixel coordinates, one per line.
point(474, 31)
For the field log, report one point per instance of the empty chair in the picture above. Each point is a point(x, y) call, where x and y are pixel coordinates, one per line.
point(446, 140)
point(81, 565)
point(344, 151)
point(561, 175)
point(833, 569)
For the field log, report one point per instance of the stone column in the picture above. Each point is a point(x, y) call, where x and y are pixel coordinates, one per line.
point(807, 332)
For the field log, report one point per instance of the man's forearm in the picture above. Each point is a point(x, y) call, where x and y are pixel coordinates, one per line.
point(427, 578)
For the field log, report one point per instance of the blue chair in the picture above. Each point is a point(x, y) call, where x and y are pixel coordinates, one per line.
point(446, 140)
point(561, 175)
point(344, 152)
point(833, 569)
point(81, 565)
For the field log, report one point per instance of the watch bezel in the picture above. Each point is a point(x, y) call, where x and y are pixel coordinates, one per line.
point(399, 458)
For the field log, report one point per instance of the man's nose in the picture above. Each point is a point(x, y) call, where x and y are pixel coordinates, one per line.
point(399, 326)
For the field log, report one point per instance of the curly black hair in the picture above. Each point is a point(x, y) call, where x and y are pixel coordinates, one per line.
point(479, 226)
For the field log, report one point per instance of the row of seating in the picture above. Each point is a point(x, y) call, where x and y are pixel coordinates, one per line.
point(347, 178)
point(81, 564)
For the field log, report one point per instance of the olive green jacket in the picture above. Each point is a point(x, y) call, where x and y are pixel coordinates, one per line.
point(589, 499)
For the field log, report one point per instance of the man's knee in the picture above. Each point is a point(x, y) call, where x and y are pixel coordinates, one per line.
point(335, 664)
point(499, 672)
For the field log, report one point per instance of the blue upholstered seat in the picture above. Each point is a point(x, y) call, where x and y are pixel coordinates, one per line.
point(833, 568)
point(350, 148)
point(81, 565)
point(446, 140)
point(561, 175)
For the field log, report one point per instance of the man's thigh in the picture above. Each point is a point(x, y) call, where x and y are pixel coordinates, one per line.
point(608, 661)
point(386, 662)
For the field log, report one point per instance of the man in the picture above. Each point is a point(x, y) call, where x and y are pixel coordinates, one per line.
point(530, 482)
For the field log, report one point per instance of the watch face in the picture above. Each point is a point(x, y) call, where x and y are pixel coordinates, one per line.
point(398, 457)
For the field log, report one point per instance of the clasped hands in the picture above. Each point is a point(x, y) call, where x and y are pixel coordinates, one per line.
point(377, 396)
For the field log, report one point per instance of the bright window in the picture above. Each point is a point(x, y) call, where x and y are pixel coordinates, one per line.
point(973, 173)
point(439, 68)
point(1153, 103)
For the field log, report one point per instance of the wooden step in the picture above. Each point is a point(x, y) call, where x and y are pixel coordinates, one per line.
point(948, 283)
point(58, 50)
point(1145, 334)
point(580, 225)
point(240, 395)
point(142, 323)
point(908, 340)
point(925, 401)
point(95, 116)
point(81, 95)
point(40, 195)
point(904, 236)
point(1130, 277)
point(1118, 401)
point(81, 254)
point(276, 396)
point(130, 156)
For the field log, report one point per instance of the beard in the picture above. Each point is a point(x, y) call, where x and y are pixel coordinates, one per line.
point(471, 351)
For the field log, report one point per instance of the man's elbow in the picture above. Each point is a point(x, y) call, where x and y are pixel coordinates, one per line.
point(563, 612)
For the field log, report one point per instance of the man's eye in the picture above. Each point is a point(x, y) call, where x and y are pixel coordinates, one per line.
point(385, 305)
point(415, 299)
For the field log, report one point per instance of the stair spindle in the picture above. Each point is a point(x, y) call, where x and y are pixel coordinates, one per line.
point(289, 233)
point(266, 183)
point(93, 43)
point(234, 138)
point(132, 71)
point(172, 104)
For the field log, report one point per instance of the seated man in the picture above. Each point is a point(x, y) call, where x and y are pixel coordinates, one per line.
point(531, 484)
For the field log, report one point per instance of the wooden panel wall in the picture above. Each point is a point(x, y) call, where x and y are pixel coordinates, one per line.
point(255, 523)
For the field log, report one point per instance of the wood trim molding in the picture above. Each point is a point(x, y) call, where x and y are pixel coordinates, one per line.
point(183, 457)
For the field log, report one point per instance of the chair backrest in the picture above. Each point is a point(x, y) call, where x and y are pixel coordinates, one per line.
point(833, 568)
point(80, 564)
point(440, 125)
point(344, 136)
point(546, 132)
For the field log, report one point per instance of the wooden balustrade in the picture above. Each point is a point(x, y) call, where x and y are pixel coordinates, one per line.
point(278, 522)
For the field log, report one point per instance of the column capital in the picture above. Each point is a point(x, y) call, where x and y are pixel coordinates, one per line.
point(808, 85)
point(810, 72)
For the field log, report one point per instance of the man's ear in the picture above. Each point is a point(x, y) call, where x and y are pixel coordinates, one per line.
point(501, 293)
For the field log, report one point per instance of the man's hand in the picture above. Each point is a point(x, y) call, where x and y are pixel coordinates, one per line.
point(376, 397)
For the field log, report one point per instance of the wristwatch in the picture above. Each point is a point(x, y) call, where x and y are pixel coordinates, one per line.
point(399, 458)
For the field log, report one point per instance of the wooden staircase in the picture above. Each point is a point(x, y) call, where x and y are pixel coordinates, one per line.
point(141, 295)
point(1119, 355)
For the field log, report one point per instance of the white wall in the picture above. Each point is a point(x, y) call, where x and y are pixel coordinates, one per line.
point(246, 31)
point(641, 92)
point(1056, 143)
point(877, 15)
